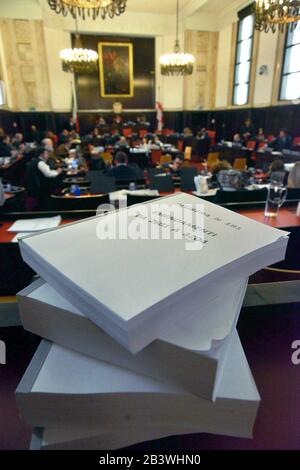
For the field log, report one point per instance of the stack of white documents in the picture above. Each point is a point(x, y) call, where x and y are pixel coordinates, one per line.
point(142, 305)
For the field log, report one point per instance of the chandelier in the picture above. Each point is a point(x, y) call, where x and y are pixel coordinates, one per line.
point(177, 63)
point(78, 59)
point(91, 8)
point(273, 14)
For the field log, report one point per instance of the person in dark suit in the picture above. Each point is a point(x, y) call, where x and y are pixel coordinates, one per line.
point(283, 142)
point(5, 146)
point(121, 170)
point(247, 130)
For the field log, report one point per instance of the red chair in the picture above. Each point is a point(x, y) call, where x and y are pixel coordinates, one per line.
point(156, 156)
point(180, 145)
point(296, 141)
point(167, 132)
point(251, 144)
point(213, 137)
point(142, 133)
point(127, 132)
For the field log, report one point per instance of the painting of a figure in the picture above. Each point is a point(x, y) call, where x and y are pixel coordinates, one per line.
point(116, 69)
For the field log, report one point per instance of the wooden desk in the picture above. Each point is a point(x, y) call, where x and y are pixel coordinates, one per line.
point(7, 237)
point(286, 218)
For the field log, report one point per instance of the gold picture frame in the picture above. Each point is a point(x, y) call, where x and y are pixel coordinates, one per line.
point(116, 69)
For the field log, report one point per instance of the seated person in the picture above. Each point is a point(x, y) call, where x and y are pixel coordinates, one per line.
point(122, 142)
point(145, 145)
point(44, 167)
point(62, 150)
point(277, 172)
point(247, 130)
point(100, 122)
point(203, 135)
point(5, 146)
point(294, 177)
point(64, 137)
point(221, 166)
point(260, 136)
point(237, 139)
point(157, 143)
point(283, 142)
point(17, 142)
point(34, 135)
point(175, 166)
point(121, 170)
point(98, 140)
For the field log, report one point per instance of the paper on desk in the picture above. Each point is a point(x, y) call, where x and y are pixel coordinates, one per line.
point(35, 225)
point(20, 235)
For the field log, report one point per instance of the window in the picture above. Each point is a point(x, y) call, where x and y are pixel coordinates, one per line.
point(290, 83)
point(243, 60)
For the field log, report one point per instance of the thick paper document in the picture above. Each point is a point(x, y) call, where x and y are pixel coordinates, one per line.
point(35, 225)
point(130, 287)
point(198, 343)
point(64, 389)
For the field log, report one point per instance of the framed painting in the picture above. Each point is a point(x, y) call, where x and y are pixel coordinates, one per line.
point(116, 69)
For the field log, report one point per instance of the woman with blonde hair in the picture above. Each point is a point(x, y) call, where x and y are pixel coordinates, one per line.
point(294, 177)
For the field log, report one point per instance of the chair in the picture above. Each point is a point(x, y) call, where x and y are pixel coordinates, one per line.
point(212, 159)
point(100, 184)
point(240, 164)
point(107, 157)
point(188, 153)
point(213, 137)
point(296, 141)
point(163, 183)
point(127, 132)
point(165, 159)
point(180, 145)
point(156, 156)
point(251, 144)
point(187, 178)
point(143, 133)
point(167, 132)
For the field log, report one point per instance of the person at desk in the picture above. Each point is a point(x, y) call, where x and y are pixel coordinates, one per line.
point(34, 135)
point(100, 122)
point(237, 140)
point(157, 143)
point(17, 142)
point(5, 146)
point(247, 130)
point(44, 167)
point(145, 145)
point(277, 172)
point(71, 125)
point(121, 170)
point(283, 142)
point(175, 166)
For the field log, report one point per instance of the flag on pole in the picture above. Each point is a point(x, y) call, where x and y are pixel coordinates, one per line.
point(74, 107)
point(159, 116)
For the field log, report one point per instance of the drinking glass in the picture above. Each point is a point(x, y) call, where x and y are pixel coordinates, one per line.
point(277, 194)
